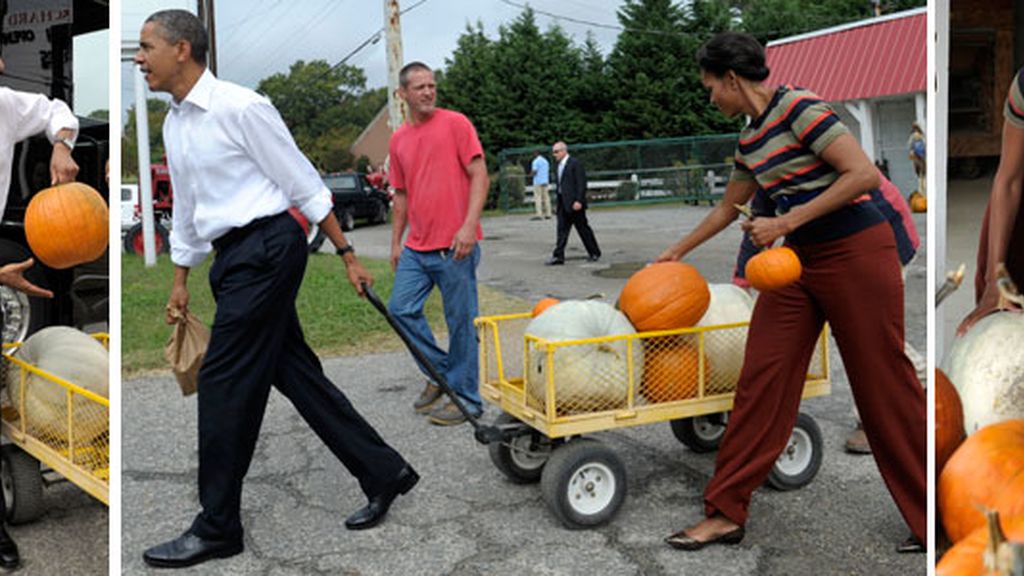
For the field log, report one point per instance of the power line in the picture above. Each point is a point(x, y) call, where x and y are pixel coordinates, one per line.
point(371, 39)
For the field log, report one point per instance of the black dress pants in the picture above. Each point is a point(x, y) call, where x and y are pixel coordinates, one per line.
point(566, 220)
point(257, 342)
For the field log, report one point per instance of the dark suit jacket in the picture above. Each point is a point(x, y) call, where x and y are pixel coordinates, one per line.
point(572, 186)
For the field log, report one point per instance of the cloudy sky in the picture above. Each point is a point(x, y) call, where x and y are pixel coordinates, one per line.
point(92, 72)
point(257, 38)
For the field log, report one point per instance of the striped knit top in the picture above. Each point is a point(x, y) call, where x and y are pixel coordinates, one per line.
point(781, 150)
point(1013, 110)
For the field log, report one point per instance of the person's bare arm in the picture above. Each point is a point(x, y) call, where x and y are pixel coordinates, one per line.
point(857, 175)
point(479, 182)
point(736, 192)
point(179, 293)
point(357, 275)
point(1004, 204)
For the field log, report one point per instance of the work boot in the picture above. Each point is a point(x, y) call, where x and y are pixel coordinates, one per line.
point(448, 415)
point(857, 441)
point(428, 398)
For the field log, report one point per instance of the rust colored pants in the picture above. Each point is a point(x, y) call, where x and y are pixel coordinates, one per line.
point(1014, 254)
point(854, 283)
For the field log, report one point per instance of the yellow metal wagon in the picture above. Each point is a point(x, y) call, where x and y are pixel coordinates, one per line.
point(686, 377)
point(76, 449)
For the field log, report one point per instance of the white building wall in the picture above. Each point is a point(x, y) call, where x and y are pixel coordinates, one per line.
point(892, 119)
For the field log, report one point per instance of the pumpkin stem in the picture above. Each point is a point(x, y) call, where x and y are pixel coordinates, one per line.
point(1002, 557)
point(953, 280)
point(1007, 289)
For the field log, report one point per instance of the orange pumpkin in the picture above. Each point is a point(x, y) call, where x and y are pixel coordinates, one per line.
point(671, 369)
point(773, 268)
point(949, 420)
point(543, 304)
point(665, 296)
point(918, 202)
point(988, 465)
point(67, 225)
point(967, 557)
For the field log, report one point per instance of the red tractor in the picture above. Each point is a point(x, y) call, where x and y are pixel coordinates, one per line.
point(163, 202)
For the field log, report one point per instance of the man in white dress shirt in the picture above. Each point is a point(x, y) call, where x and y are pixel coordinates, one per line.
point(22, 115)
point(235, 171)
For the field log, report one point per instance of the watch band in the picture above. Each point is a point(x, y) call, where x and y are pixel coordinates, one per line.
point(344, 250)
point(67, 142)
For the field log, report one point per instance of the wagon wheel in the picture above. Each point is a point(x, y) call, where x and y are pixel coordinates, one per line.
point(22, 485)
point(523, 455)
point(701, 433)
point(583, 483)
point(800, 460)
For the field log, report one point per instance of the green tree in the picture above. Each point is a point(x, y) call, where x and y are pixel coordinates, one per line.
point(325, 108)
point(101, 114)
point(658, 91)
point(156, 112)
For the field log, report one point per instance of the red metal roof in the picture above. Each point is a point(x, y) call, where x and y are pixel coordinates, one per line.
point(878, 57)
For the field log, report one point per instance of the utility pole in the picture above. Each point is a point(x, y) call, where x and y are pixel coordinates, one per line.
point(128, 50)
point(205, 13)
point(396, 108)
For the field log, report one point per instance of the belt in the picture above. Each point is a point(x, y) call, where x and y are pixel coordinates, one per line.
point(236, 234)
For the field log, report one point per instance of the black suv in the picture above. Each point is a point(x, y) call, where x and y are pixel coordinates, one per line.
point(354, 197)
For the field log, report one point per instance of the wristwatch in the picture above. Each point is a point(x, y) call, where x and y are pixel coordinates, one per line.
point(344, 250)
point(67, 142)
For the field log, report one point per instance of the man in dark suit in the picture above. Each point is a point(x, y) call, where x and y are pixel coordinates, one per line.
point(572, 206)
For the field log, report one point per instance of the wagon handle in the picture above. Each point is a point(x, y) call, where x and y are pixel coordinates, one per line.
point(484, 434)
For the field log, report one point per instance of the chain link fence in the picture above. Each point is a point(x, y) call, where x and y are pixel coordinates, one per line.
point(692, 169)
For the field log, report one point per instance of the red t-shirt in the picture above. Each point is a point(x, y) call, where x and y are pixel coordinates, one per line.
point(429, 162)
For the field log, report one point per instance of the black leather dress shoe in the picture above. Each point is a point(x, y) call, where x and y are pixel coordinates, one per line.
point(911, 546)
point(189, 550)
point(554, 262)
point(372, 514)
point(9, 557)
point(680, 541)
point(593, 258)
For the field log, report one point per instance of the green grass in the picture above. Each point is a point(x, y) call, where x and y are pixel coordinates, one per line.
point(335, 320)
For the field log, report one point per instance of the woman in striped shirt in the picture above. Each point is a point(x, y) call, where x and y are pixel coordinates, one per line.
point(807, 162)
point(1002, 229)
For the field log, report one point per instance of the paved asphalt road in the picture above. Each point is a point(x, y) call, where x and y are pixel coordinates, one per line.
point(465, 518)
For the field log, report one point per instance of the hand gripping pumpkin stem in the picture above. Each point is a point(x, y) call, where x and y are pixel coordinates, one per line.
point(1007, 289)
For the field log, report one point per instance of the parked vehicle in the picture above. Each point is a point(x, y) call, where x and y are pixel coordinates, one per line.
point(81, 294)
point(354, 197)
point(129, 206)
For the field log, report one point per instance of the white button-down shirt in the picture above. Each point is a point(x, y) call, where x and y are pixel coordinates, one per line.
point(232, 160)
point(21, 115)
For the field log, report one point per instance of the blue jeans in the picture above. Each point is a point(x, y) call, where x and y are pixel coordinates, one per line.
point(417, 274)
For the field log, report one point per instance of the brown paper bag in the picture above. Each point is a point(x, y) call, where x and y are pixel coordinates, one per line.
point(185, 349)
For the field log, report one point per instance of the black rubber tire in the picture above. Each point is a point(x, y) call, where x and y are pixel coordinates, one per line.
point(521, 458)
point(582, 474)
point(346, 219)
point(380, 213)
point(800, 461)
point(22, 485)
point(701, 434)
point(25, 315)
point(133, 239)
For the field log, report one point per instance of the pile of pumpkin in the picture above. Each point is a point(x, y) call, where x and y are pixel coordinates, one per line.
point(665, 296)
point(979, 449)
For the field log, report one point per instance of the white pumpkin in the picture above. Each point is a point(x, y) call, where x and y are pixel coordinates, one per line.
point(724, 348)
point(986, 366)
point(587, 377)
point(77, 358)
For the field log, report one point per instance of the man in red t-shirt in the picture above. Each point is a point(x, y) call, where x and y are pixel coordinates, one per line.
point(440, 180)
